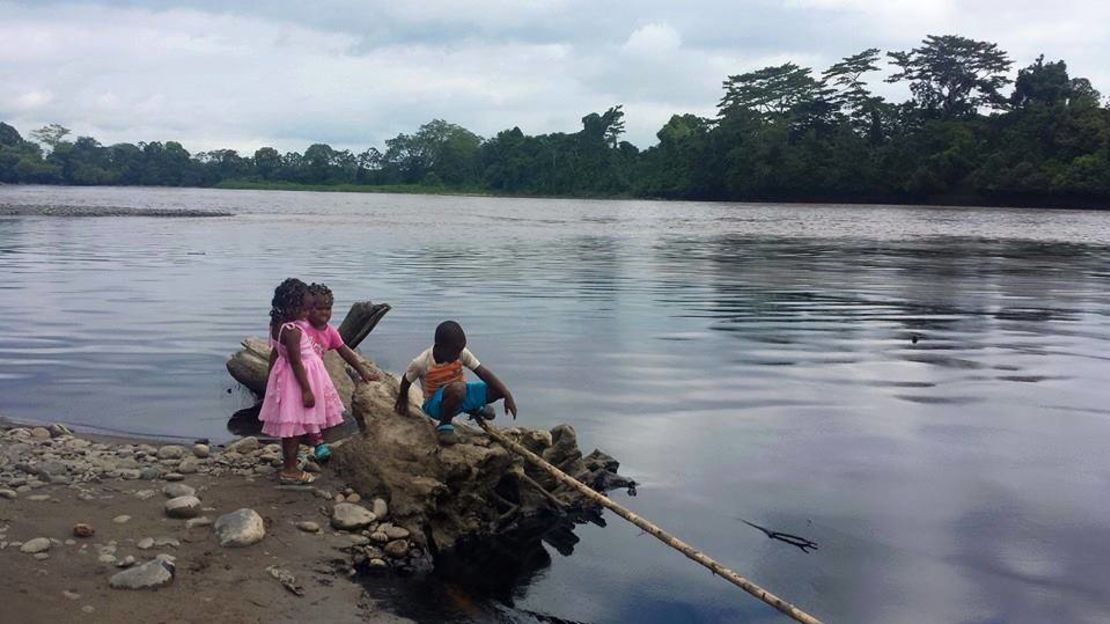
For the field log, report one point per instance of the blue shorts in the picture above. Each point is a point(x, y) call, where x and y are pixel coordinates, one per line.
point(474, 400)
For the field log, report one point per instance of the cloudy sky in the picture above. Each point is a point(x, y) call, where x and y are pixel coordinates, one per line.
point(352, 73)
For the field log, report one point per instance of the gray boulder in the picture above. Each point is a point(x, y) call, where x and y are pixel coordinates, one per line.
point(240, 528)
point(351, 517)
point(183, 507)
point(152, 574)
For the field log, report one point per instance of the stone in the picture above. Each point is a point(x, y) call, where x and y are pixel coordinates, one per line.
point(88, 609)
point(183, 507)
point(162, 542)
point(150, 473)
point(176, 490)
point(379, 537)
point(145, 544)
point(40, 433)
point(106, 558)
point(193, 523)
point(71, 595)
point(188, 466)
point(201, 451)
point(39, 498)
point(359, 540)
point(240, 528)
point(354, 498)
point(171, 452)
point(380, 508)
point(41, 556)
point(122, 519)
point(349, 516)
point(154, 573)
point(131, 474)
point(126, 562)
point(308, 526)
point(8, 494)
point(395, 532)
point(174, 476)
point(83, 530)
point(145, 494)
point(397, 549)
point(48, 469)
point(377, 562)
point(244, 446)
point(58, 430)
point(36, 545)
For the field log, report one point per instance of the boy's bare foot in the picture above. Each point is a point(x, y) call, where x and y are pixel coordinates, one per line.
point(446, 435)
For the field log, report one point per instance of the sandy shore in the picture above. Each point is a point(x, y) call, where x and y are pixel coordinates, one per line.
point(51, 480)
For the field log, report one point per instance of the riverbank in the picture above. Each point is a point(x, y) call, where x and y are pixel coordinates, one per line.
point(82, 517)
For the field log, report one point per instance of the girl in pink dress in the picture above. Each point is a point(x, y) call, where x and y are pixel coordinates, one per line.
point(300, 397)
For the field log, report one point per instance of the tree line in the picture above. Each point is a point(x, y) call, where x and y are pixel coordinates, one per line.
point(967, 133)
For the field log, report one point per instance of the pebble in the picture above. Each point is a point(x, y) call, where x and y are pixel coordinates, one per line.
point(354, 498)
point(36, 545)
point(397, 549)
point(395, 532)
point(40, 433)
point(6, 493)
point(150, 473)
point(202, 521)
point(71, 595)
point(126, 562)
point(175, 490)
point(145, 544)
point(167, 541)
point(154, 573)
point(123, 519)
point(188, 466)
point(38, 498)
point(88, 609)
point(308, 526)
point(171, 452)
point(380, 508)
point(240, 528)
point(41, 556)
point(83, 530)
point(145, 494)
point(131, 474)
point(244, 446)
point(359, 540)
point(183, 507)
point(106, 558)
point(201, 451)
point(379, 537)
point(174, 476)
point(349, 516)
point(377, 563)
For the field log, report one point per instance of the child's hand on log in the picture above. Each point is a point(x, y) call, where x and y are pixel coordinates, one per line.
point(368, 375)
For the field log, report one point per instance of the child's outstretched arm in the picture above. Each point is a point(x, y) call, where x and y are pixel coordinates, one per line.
point(498, 389)
point(350, 358)
point(292, 341)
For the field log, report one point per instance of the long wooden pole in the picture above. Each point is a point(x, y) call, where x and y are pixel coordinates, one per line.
point(668, 539)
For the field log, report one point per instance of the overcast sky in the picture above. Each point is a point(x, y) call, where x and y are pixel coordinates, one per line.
point(353, 73)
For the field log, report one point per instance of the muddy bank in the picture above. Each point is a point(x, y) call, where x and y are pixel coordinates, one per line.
point(168, 518)
point(103, 211)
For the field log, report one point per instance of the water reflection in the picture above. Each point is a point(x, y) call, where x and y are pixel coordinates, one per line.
point(920, 391)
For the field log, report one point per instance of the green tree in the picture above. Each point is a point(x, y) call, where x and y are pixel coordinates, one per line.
point(952, 76)
point(50, 135)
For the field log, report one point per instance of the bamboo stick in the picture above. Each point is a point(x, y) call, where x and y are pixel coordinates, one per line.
point(668, 539)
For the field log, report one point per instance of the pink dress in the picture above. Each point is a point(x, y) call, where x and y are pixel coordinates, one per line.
point(283, 413)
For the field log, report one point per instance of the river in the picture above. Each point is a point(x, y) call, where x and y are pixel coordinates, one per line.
point(918, 390)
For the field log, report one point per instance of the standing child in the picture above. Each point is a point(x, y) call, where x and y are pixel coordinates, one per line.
point(300, 398)
point(326, 338)
point(446, 391)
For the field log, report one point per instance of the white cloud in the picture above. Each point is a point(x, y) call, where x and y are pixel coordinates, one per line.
point(353, 73)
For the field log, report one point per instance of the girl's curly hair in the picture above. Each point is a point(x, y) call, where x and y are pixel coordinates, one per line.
point(321, 291)
point(288, 300)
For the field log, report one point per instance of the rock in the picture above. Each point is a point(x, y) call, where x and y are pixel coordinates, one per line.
point(145, 544)
point(188, 466)
point(202, 521)
point(380, 508)
point(145, 494)
point(126, 562)
point(171, 452)
point(244, 446)
point(395, 532)
point(340, 498)
point(40, 433)
point(41, 556)
point(131, 474)
point(36, 545)
point(58, 430)
point(106, 558)
point(377, 563)
point(379, 537)
point(154, 573)
point(89, 609)
point(349, 516)
point(150, 473)
point(201, 451)
point(240, 528)
point(354, 498)
point(8, 494)
point(83, 530)
point(47, 469)
point(122, 519)
point(71, 595)
point(174, 476)
point(162, 542)
point(183, 507)
point(308, 526)
point(359, 540)
point(39, 498)
point(397, 549)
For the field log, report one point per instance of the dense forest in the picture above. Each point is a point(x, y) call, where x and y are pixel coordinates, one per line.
point(968, 133)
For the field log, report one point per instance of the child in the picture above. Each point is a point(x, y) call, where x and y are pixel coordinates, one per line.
point(325, 338)
point(446, 392)
point(300, 398)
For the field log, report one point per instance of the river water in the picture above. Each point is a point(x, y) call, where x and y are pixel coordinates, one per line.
point(921, 391)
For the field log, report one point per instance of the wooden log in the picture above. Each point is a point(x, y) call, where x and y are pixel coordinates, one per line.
point(663, 536)
point(360, 321)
